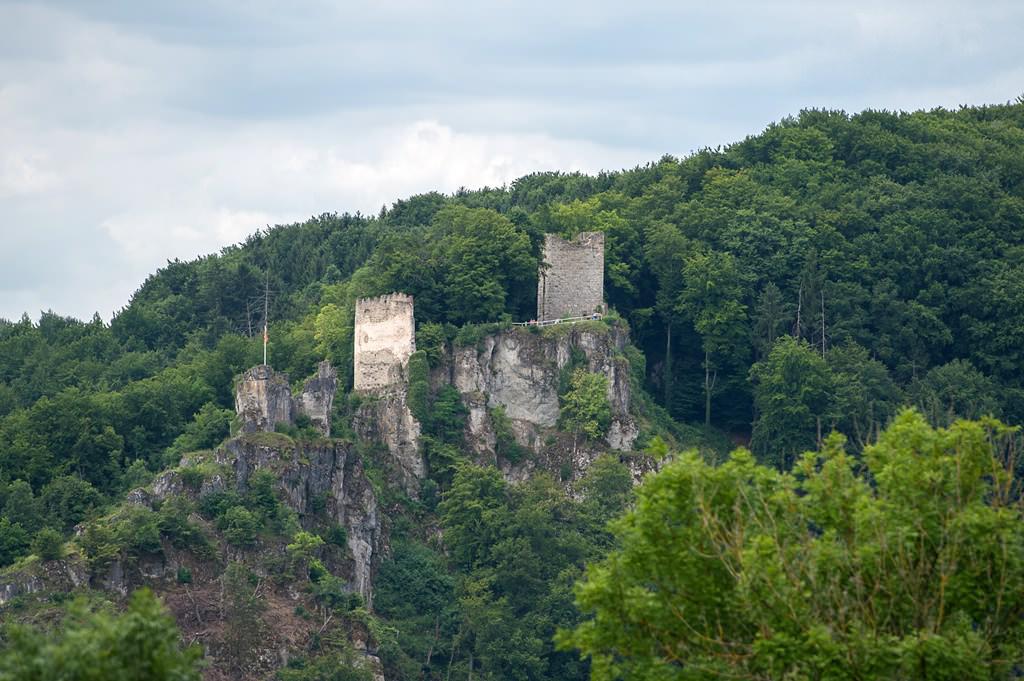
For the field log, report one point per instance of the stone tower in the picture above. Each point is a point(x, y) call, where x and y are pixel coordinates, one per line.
point(385, 337)
point(571, 278)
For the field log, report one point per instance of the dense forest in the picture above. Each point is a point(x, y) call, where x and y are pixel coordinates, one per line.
point(817, 277)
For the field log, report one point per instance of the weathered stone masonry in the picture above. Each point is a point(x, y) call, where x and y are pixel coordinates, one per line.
point(571, 281)
point(385, 336)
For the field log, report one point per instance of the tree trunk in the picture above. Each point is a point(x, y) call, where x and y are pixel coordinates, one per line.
point(451, 658)
point(668, 367)
point(437, 633)
point(707, 388)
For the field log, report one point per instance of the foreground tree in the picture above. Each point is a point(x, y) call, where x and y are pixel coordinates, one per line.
point(908, 565)
point(140, 645)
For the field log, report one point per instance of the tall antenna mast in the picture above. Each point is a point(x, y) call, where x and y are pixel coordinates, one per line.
point(266, 318)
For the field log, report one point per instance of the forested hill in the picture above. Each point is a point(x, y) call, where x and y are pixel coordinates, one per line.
point(888, 244)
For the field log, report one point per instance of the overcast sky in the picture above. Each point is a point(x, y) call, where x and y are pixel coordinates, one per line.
point(136, 132)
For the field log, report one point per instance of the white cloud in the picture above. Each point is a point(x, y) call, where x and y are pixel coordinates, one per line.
point(25, 173)
point(251, 177)
point(132, 134)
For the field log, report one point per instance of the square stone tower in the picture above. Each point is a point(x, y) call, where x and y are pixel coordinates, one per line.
point(571, 281)
point(385, 336)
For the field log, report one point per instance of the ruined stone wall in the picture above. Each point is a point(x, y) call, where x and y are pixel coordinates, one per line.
point(384, 338)
point(571, 281)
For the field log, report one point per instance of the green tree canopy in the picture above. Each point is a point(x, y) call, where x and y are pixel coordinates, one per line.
point(140, 644)
point(910, 566)
point(792, 394)
point(585, 409)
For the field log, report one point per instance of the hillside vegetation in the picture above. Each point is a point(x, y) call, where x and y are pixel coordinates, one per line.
point(818, 276)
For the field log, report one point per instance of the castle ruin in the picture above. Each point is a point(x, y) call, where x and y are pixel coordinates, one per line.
point(571, 277)
point(385, 336)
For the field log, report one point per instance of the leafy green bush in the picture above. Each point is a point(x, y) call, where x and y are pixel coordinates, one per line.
point(337, 535)
point(214, 505)
point(22, 506)
point(447, 415)
point(136, 475)
point(179, 530)
point(239, 525)
point(100, 545)
point(14, 541)
point(443, 459)
point(208, 428)
point(470, 334)
point(68, 500)
point(506, 445)
point(261, 497)
point(419, 386)
point(192, 477)
point(138, 531)
point(302, 430)
point(585, 408)
point(48, 544)
point(577, 360)
point(333, 666)
point(637, 366)
point(917, 528)
point(303, 547)
point(430, 340)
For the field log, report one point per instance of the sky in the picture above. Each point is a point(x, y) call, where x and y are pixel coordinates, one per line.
point(133, 133)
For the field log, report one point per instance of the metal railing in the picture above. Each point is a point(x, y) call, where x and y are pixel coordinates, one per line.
point(564, 320)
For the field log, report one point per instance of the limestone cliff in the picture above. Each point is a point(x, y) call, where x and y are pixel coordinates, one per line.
point(385, 418)
point(327, 474)
point(317, 397)
point(320, 482)
point(263, 399)
point(518, 370)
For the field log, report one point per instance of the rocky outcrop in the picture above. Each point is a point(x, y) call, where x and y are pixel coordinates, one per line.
point(519, 370)
point(387, 419)
point(57, 575)
point(328, 473)
point(263, 398)
point(317, 397)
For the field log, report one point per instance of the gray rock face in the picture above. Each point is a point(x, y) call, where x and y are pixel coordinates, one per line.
point(386, 418)
point(63, 575)
point(519, 370)
point(317, 397)
point(263, 398)
point(328, 471)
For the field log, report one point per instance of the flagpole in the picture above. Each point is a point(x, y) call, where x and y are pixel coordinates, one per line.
point(266, 319)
